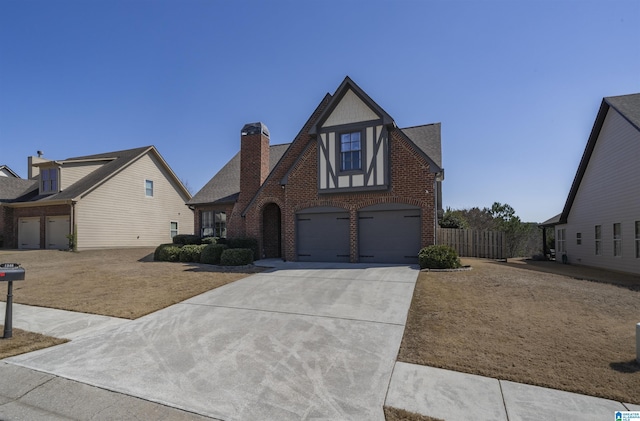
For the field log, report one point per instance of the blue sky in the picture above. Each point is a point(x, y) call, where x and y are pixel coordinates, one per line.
point(515, 84)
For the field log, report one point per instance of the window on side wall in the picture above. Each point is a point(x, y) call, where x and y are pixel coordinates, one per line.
point(617, 239)
point(174, 229)
point(148, 188)
point(350, 151)
point(578, 238)
point(561, 241)
point(598, 242)
point(213, 224)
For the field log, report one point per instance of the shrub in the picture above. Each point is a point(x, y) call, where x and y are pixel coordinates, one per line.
point(167, 253)
point(439, 257)
point(209, 240)
point(236, 257)
point(191, 253)
point(244, 243)
point(184, 239)
point(211, 253)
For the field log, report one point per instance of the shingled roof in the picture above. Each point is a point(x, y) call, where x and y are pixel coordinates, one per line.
point(224, 187)
point(16, 189)
point(117, 161)
point(427, 139)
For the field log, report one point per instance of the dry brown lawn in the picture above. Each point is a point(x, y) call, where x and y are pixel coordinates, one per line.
point(22, 341)
point(395, 414)
point(522, 322)
point(123, 283)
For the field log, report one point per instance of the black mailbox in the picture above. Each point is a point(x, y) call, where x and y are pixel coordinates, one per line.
point(11, 272)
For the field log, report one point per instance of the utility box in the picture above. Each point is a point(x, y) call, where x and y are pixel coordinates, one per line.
point(11, 272)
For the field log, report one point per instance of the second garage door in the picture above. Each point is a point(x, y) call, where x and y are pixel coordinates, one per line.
point(57, 231)
point(322, 235)
point(389, 234)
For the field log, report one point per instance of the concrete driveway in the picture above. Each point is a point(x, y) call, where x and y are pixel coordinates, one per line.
point(316, 341)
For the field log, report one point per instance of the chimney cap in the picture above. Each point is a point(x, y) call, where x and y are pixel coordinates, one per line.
point(255, 128)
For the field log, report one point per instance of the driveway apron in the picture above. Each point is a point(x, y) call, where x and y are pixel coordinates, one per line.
point(293, 343)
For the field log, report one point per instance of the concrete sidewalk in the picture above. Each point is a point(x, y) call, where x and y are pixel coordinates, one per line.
point(59, 323)
point(454, 396)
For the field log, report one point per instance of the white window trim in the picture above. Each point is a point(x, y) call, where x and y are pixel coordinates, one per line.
point(171, 230)
point(146, 190)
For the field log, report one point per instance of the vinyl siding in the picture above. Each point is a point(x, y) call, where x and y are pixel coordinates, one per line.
point(117, 213)
point(608, 194)
point(351, 109)
point(70, 173)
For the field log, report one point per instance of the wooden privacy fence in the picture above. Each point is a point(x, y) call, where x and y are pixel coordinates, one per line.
point(474, 243)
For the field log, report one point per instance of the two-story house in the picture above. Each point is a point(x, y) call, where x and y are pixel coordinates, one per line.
point(351, 187)
point(127, 198)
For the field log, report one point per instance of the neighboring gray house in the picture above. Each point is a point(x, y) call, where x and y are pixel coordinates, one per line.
point(127, 198)
point(600, 223)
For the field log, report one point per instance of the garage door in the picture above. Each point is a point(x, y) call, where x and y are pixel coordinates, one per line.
point(389, 234)
point(57, 231)
point(29, 233)
point(322, 235)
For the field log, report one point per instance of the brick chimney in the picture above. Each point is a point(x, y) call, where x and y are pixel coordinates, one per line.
point(254, 160)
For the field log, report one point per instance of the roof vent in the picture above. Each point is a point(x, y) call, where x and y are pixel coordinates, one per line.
point(255, 128)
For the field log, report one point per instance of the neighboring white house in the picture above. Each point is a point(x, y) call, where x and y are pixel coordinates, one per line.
point(600, 223)
point(127, 198)
point(5, 171)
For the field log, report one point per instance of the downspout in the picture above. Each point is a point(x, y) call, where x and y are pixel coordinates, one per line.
point(72, 228)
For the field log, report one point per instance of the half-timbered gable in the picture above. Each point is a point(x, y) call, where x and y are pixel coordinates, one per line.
point(353, 143)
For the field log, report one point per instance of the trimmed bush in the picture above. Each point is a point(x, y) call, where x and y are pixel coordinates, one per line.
point(184, 239)
point(211, 253)
point(439, 257)
point(244, 243)
point(236, 257)
point(209, 240)
point(167, 253)
point(191, 253)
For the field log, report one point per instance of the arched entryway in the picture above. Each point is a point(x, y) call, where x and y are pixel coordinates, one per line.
point(271, 231)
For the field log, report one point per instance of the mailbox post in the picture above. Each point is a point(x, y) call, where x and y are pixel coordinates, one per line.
point(10, 272)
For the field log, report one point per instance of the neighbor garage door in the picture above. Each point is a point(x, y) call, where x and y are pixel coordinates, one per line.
point(322, 235)
point(389, 234)
point(57, 231)
point(29, 233)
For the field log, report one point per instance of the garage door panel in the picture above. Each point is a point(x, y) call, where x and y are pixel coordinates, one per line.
point(57, 231)
point(29, 233)
point(389, 236)
point(323, 237)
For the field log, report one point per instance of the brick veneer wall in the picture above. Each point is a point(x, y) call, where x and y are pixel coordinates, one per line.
point(227, 208)
point(411, 183)
point(13, 214)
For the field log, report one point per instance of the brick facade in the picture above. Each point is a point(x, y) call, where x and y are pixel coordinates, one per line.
point(270, 206)
point(12, 216)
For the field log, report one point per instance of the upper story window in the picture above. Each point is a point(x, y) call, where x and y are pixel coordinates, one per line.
point(49, 180)
point(350, 151)
point(148, 188)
